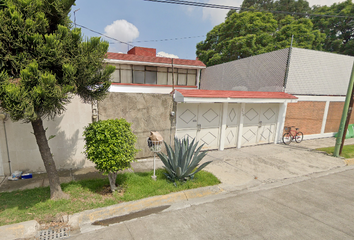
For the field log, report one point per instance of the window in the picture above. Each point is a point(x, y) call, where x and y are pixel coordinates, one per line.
point(182, 76)
point(191, 77)
point(162, 76)
point(126, 73)
point(175, 76)
point(138, 74)
point(150, 75)
point(154, 75)
point(116, 75)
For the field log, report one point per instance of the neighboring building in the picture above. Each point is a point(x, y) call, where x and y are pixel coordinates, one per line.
point(318, 79)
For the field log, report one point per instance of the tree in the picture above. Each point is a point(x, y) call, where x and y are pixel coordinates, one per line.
point(110, 145)
point(302, 30)
point(339, 31)
point(298, 6)
point(250, 33)
point(43, 63)
point(257, 4)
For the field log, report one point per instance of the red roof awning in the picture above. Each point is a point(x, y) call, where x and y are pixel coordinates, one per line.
point(231, 95)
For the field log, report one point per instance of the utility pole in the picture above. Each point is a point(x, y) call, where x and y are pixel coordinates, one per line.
point(173, 77)
point(347, 109)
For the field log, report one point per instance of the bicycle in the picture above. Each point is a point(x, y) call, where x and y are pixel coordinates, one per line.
point(292, 134)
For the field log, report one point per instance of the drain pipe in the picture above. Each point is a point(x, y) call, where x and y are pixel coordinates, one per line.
point(3, 117)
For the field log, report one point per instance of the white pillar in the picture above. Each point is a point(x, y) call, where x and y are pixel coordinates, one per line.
point(198, 78)
point(324, 120)
point(223, 126)
point(281, 122)
point(240, 127)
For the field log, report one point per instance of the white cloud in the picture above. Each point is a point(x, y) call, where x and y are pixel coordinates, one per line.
point(168, 55)
point(217, 16)
point(123, 31)
point(323, 2)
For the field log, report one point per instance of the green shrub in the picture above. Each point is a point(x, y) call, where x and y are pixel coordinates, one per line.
point(110, 145)
point(181, 163)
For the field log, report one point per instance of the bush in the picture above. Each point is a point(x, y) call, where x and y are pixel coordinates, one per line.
point(181, 163)
point(110, 145)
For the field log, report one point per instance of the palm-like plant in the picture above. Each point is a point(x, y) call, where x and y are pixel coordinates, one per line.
point(181, 163)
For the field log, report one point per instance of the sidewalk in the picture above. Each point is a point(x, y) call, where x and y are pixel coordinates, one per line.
point(241, 157)
point(237, 169)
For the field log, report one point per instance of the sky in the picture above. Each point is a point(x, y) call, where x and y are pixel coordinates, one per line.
point(147, 24)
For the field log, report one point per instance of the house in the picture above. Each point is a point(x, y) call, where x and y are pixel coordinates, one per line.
point(140, 93)
point(318, 79)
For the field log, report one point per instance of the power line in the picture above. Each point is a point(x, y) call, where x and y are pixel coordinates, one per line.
point(218, 6)
point(128, 44)
point(104, 35)
point(168, 39)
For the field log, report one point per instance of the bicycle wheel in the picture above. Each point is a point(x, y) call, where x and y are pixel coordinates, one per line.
point(287, 138)
point(299, 136)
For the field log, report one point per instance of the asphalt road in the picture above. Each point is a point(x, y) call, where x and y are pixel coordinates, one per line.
point(317, 208)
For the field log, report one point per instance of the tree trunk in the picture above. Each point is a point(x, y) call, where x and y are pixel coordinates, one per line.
point(52, 173)
point(112, 180)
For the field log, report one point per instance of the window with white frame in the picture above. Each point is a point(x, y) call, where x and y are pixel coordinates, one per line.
point(139, 74)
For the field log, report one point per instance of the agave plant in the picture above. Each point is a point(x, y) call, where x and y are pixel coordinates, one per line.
point(181, 163)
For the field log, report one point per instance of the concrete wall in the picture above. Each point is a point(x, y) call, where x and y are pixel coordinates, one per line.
point(146, 111)
point(66, 146)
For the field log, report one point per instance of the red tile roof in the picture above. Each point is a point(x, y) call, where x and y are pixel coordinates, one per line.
point(198, 93)
point(150, 59)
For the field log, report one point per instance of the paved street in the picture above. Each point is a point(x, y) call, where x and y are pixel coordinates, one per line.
point(318, 208)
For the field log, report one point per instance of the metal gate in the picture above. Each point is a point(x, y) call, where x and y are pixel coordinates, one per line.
point(200, 121)
point(260, 121)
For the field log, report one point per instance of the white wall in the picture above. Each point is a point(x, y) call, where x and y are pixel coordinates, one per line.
point(66, 146)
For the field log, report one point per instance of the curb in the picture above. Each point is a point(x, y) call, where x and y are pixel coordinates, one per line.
point(19, 230)
point(349, 161)
point(29, 229)
point(89, 216)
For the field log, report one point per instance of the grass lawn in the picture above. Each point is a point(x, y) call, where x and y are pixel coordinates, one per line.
point(19, 206)
point(348, 151)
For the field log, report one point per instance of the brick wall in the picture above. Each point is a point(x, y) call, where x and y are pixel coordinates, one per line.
point(305, 115)
point(334, 116)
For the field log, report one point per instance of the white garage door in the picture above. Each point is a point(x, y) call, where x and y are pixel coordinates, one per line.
point(260, 121)
point(200, 121)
